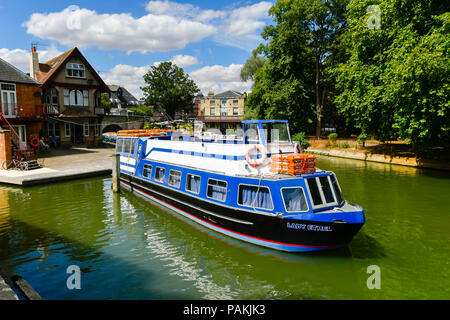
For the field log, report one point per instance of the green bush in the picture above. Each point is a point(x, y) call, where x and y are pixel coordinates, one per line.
point(301, 139)
point(332, 136)
point(345, 145)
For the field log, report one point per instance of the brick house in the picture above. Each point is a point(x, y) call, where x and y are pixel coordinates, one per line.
point(21, 107)
point(71, 91)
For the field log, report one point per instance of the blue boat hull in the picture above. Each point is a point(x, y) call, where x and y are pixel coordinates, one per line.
point(285, 234)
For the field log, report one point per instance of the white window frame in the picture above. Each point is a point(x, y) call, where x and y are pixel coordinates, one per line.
point(164, 175)
point(86, 129)
point(13, 113)
point(68, 130)
point(322, 196)
point(226, 187)
point(193, 175)
point(97, 129)
point(257, 186)
point(21, 128)
point(150, 172)
point(78, 67)
point(284, 203)
point(170, 174)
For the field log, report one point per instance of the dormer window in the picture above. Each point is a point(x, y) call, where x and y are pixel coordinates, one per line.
point(76, 70)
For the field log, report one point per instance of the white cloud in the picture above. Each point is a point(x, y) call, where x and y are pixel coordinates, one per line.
point(209, 78)
point(130, 77)
point(21, 58)
point(179, 10)
point(219, 78)
point(184, 60)
point(83, 27)
point(247, 20)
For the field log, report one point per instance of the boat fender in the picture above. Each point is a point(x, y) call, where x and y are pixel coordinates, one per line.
point(297, 148)
point(256, 162)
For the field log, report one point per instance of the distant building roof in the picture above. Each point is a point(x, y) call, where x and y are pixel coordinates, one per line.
point(228, 94)
point(9, 73)
point(122, 94)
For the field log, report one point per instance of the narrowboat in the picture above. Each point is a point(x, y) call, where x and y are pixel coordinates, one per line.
point(255, 185)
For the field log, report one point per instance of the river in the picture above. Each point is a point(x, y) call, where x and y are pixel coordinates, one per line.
point(128, 249)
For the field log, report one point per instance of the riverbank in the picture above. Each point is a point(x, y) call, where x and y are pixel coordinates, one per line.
point(366, 155)
point(62, 165)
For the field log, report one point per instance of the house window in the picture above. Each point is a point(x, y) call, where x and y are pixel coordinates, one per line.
point(79, 98)
point(255, 197)
point(68, 130)
point(217, 190)
point(235, 101)
point(193, 183)
point(53, 129)
point(147, 171)
point(52, 96)
point(175, 178)
point(97, 130)
point(212, 111)
point(212, 102)
point(76, 70)
point(21, 132)
point(66, 97)
point(159, 174)
point(86, 129)
point(235, 111)
point(9, 100)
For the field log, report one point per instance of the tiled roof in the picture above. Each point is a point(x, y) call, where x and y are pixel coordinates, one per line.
point(9, 73)
point(228, 94)
point(47, 69)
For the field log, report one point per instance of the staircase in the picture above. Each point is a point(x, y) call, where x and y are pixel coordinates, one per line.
point(20, 151)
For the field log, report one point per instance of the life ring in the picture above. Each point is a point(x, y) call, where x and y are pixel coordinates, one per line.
point(297, 148)
point(256, 162)
point(34, 141)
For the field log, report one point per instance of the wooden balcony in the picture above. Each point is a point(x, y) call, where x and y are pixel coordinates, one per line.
point(51, 109)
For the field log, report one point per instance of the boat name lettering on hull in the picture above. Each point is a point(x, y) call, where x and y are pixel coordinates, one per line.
point(310, 227)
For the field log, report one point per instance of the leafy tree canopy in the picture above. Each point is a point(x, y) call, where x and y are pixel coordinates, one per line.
point(167, 86)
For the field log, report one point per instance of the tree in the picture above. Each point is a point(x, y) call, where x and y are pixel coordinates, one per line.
point(142, 111)
point(105, 102)
point(395, 83)
point(250, 67)
point(301, 48)
point(168, 87)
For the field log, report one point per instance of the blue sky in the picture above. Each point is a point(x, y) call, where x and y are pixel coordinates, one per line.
point(122, 39)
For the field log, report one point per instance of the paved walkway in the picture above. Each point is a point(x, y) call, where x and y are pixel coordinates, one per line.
point(62, 165)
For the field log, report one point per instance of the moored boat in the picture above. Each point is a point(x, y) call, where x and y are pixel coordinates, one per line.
point(257, 187)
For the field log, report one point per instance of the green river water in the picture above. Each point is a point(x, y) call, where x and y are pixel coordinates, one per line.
point(128, 249)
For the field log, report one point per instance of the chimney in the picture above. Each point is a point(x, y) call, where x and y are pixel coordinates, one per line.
point(34, 63)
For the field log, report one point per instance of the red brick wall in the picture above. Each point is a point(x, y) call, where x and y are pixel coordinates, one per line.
point(28, 104)
point(5, 147)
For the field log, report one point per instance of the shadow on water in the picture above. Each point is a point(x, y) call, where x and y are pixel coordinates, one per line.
point(364, 246)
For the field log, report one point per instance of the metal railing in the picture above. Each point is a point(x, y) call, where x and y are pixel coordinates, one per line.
point(51, 109)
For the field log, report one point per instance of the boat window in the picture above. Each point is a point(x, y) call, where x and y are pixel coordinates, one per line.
point(294, 199)
point(251, 134)
point(326, 189)
point(276, 132)
point(147, 171)
point(314, 190)
point(337, 188)
point(132, 144)
point(217, 190)
point(255, 197)
point(126, 146)
point(175, 178)
point(119, 145)
point(193, 183)
point(159, 174)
